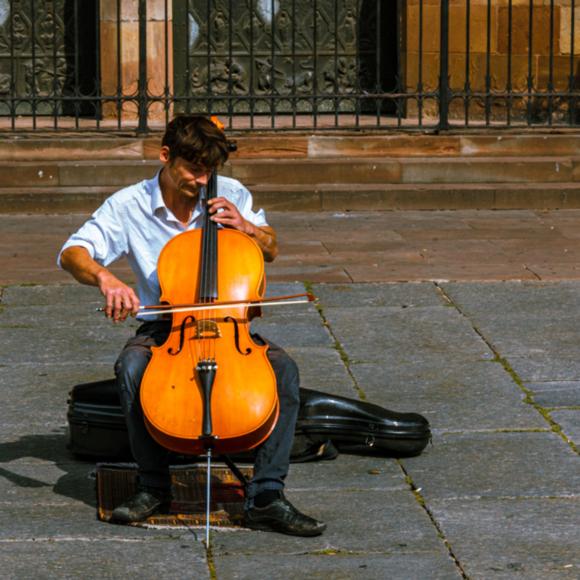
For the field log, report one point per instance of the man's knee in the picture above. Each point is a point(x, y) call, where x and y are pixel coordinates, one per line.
point(289, 383)
point(129, 370)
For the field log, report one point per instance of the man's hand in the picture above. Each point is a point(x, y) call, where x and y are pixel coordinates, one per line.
point(226, 213)
point(120, 299)
point(230, 217)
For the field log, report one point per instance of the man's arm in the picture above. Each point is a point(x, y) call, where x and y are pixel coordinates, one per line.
point(265, 236)
point(120, 299)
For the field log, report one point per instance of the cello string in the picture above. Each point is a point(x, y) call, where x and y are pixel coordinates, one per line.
point(214, 259)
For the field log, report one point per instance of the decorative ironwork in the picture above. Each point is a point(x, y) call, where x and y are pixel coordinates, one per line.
point(287, 55)
point(33, 60)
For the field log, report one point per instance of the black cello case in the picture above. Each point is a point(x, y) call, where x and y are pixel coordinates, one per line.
point(327, 424)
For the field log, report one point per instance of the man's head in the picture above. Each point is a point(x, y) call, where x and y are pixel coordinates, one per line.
point(191, 149)
point(197, 140)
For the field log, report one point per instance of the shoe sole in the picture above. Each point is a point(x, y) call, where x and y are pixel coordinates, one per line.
point(266, 528)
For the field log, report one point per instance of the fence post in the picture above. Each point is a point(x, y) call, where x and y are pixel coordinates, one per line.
point(142, 84)
point(444, 68)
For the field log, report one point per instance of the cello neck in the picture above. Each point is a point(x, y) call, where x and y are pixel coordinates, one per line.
point(208, 290)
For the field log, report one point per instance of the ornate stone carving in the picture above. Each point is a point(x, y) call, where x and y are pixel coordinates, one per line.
point(32, 52)
point(280, 49)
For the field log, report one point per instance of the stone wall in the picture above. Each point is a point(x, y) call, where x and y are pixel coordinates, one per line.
point(498, 49)
point(120, 40)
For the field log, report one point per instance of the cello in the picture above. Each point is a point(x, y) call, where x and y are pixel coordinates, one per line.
point(210, 387)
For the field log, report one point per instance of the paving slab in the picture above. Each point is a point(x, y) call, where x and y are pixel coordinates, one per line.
point(556, 393)
point(428, 330)
point(322, 369)
point(356, 296)
point(455, 395)
point(496, 465)
point(531, 539)
point(545, 367)
point(33, 519)
point(364, 521)
point(72, 558)
point(347, 472)
point(401, 565)
point(529, 299)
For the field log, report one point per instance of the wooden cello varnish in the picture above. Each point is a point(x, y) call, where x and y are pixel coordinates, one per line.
point(210, 386)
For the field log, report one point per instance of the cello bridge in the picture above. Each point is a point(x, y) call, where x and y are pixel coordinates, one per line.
point(206, 329)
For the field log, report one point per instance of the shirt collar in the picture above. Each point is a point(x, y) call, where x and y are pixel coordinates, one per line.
point(157, 202)
point(155, 191)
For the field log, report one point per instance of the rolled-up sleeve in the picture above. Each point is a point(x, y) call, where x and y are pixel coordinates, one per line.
point(245, 203)
point(103, 236)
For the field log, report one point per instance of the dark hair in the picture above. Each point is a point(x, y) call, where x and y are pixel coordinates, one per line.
point(196, 139)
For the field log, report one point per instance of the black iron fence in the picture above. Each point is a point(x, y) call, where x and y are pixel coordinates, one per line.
point(114, 65)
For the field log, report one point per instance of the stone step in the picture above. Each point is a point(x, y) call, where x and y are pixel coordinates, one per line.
point(52, 147)
point(329, 197)
point(252, 172)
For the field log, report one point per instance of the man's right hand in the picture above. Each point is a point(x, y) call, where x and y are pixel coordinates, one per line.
point(120, 299)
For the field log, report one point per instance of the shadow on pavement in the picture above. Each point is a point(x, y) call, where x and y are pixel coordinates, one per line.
point(76, 482)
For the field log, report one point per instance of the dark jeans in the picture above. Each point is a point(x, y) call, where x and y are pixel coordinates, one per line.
point(273, 456)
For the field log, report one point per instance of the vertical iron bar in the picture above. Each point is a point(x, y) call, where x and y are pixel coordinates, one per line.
point(444, 68)
point(13, 88)
point(294, 99)
point(142, 83)
point(252, 65)
point(315, 53)
point(488, 66)
point(509, 66)
point(378, 87)
point(336, 88)
point(209, 102)
point(119, 71)
point(77, 92)
point(54, 70)
point(33, 54)
point(529, 112)
point(98, 100)
point(571, 82)
point(231, 64)
point(358, 71)
point(187, 78)
point(400, 102)
point(272, 67)
point(551, 66)
point(420, 71)
point(467, 86)
point(166, 93)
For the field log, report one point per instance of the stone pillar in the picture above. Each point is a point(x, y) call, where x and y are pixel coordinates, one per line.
point(119, 30)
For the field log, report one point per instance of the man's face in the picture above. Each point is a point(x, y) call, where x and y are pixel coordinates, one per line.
point(186, 177)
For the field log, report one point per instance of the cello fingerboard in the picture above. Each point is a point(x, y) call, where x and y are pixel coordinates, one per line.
point(208, 281)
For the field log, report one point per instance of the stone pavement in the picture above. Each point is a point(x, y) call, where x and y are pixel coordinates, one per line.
point(485, 344)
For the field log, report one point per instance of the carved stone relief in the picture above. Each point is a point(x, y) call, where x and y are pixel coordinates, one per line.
point(283, 52)
point(32, 52)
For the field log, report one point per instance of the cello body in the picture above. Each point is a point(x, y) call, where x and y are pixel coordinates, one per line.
point(210, 386)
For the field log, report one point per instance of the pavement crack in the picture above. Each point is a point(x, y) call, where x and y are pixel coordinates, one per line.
point(421, 501)
point(337, 344)
point(529, 395)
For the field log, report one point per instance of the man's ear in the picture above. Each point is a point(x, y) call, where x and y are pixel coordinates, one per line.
point(164, 154)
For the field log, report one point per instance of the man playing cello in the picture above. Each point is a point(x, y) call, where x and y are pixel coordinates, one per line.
point(137, 222)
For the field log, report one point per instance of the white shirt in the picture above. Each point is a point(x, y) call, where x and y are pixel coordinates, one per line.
point(136, 223)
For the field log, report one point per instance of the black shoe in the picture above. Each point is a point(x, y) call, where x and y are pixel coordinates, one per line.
point(139, 507)
point(281, 516)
